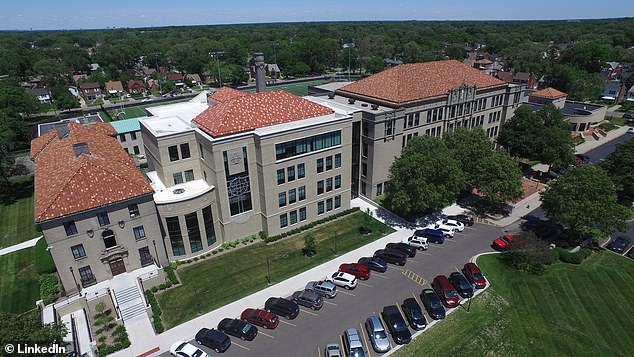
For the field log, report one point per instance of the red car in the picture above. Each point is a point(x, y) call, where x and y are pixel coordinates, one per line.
point(447, 293)
point(474, 275)
point(361, 271)
point(260, 317)
point(503, 242)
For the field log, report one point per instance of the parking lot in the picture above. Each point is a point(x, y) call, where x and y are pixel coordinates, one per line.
point(311, 331)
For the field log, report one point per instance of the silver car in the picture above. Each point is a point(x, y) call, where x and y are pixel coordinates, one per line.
point(352, 343)
point(323, 288)
point(378, 338)
point(332, 350)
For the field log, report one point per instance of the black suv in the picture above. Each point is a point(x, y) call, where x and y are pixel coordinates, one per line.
point(391, 256)
point(282, 307)
point(432, 304)
point(414, 314)
point(238, 328)
point(405, 248)
point(395, 323)
point(213, 339)
point(462, 218)
point(618, 244)
point(462, 285)
point(374, 263)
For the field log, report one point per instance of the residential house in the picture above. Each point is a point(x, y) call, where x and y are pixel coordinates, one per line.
point(153, 85)
point(90, 90)
point(178, 79)
point(135, 86)
point(114, 88)
point(79, 78)
point(389, 63)
point(270, 70)
point(43, 95)
point(194, 79)
point(630, 95)
point(526, 79)
point(613, 90)
point(505, 76)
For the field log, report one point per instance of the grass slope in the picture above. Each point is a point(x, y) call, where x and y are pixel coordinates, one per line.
point(19, 287)
point(571, 310)
point(218, 281)
point(16, 213)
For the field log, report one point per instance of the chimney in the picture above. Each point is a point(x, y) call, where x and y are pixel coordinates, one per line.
point(260, 80)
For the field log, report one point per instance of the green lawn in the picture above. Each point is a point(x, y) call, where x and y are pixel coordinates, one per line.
point(218, 281)
point(620, 121)
point(300, 89)
point(16, 213)
point(139, 110)
point(571, 310)
point(607, 126)
point(19, 287)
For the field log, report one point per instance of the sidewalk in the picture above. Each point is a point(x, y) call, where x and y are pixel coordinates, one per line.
point(590, 143)
point(20, 246)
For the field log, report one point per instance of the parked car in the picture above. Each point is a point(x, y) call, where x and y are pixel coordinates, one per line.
point(391, 256)
point(282, 307)
point(432, 304)
point(378, 337)
point(502, 243)
point(433, 235)
point(448, 295)
point(474, 275)
point(323, 288)
point(447, 231)
point(628, 116)
point(618, 244)
point(457, 226)
point(630, 130)
point(345, 280)
point(352, 343)
point(630, 254)
point(374, 263)
point(260, 318)
point(396, 325)
point(582, 159)
point(417, 240)
point(359, 270)
point(462, 285)
point(309, 299)
point(213, 339)
point(462, 218)
point(414, 314)
point(332, 350)
point(184, 349)
point(238, 328)
point(405, 248)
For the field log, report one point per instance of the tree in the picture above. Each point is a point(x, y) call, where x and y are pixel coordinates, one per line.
point(577, 83)
point(584, 198)
point(425, 178)
point(619, 168)
point(470, 148)
point(375, 65)
point(310, 245)
point(528, 253)
point(499, 177)
point(27, 329)
point(63, 99)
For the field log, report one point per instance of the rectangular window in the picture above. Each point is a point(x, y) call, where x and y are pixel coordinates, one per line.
point(189, 175)
point(178, 178)
point(86, 277)
point(136, 150)
point(281, 178)
point(185, 154)
point(70, 228)
point(202, 152)
point(281, 199)
point(103, 219)
point(290, 171)
point(364, 169)
point(320, 187)
point(337, 181)
point(283, 220)
point(337, 161)
point(292, 196)
point(145, 257)
point(133, 209)
point(328, 163)
point(139, 232)
point(320, 165)
point(416, 119)
point(78, 251)
point(337, 201)
point(302, 214)
point(175, 235)
point(365, 150)
point(329, 184)
point(379, 189)
point(292, 215)
point(133, 135)
point(389, 127)
point(209, 226)
point(122, 137)
point(300, 171)
point(301, 193)
point(363, 188)
point(126, 151)
point(173, 151)
point(306, 145)
point(193, 232)
point(329, 204)
point(320, 207)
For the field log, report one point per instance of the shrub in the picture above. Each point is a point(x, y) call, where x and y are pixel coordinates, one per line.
point(221, 250)
point(573, 258)
point(214, 252)
point(310, 245)
point(171, 275)
point(196, 259)
point(156, 312)
point(529, 254)
point(43, 260)
point(49, 288)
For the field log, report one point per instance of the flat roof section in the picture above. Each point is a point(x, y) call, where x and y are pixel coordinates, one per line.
point(126, 125)
point(177, 193)
point(88, 119)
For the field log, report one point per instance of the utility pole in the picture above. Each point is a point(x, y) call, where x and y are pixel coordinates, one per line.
point(349, 45)
point(217, 55)
point(274, 45)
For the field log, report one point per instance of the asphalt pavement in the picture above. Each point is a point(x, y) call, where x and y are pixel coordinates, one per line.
point(601, 152)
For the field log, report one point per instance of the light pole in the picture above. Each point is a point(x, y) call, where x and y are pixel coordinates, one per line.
point(349, 45)
point(217, 55)
point(268, 271)
point(274, 45)
point(75, 280)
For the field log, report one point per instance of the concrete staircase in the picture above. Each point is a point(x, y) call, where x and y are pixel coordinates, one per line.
point(131, 303)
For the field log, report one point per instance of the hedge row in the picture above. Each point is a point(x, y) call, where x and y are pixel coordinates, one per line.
point(307, 226)
point(573, 258)
point(222, 248)
point(43, 260)
point(169, 271)
point(49, 288)
point(156, 311)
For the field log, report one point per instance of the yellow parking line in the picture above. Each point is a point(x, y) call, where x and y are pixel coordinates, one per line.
point(330, 303)
point(364, 284)
point(266, 334)
point(288, 323)
point(380, 276)
point(365, 341)
point(318, 352)
point(309, 312)
point(341, 341)
point(239, 345)
point(347, 293)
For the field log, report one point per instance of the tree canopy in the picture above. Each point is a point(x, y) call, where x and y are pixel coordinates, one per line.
point(620, 168)
point(27, 329)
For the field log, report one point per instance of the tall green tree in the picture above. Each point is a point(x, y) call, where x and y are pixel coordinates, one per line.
point(425, 178)
point(620, 167)
point(584, 198)
point(577, 83)
point(27, 329)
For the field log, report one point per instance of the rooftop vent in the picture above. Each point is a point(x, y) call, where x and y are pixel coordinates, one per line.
point(375, 106)
point(364, 104)
point(178, 191)
point(331, 95)
point(80, 148)
point(350, 101)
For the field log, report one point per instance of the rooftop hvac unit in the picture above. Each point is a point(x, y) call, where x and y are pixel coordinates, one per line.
point(350, 101)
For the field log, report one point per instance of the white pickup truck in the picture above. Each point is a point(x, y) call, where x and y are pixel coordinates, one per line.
point(416, 242)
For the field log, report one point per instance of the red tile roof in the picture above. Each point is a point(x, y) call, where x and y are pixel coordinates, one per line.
point(65, 184)
point(252, 111)
point(548, 93)
point(226, 93)
point(416, 82)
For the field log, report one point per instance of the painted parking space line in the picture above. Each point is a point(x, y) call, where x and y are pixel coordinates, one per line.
point(397, 268)
point(346, 293)
point(265, 334)
point(309, 312)
point(437, 245)
point(380, 276)
point(470, 228)
point(413, 261)
point(341, 341)
point(239, 345)
point(414, 277)
point(288, 323)
point(330, 303)
point(318, 352)
point(425, 253)
point(364, 284)
point(365, 341)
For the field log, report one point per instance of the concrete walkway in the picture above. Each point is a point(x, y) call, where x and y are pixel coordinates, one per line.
point(20, 246)
point(590, 143)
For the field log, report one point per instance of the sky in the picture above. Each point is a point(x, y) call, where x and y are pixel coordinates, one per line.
point(75, 14)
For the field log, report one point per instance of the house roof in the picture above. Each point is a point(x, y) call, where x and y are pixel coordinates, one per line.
point(112, 86)
point(135, 83)
point(194, 77)
point(252, 111)
point(548, 93)
point(126, 126)
point(89, 85)
point(174, 76)
point(416, 82)
point(505, 76)
point(82, 170)
point(522, 76)
point(40, 91)
point(226, 93)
